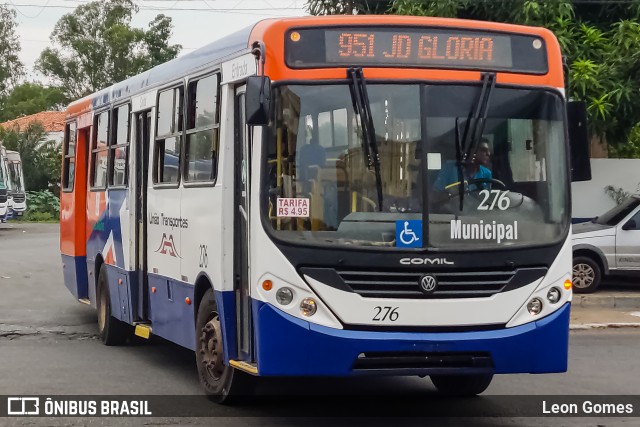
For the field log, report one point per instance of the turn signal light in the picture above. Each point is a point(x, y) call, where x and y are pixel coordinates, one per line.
point(295, 36)
point(267, 285)
point(568, 284)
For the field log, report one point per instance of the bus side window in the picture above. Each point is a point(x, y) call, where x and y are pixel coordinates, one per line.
point(168, 137)
point(99, 151)
point(203, 130)
point(69, 172)
point(119, 148)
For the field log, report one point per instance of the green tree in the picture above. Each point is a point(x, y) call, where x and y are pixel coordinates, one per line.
point(96, 46)
point(11, 69)
point(40, 157)
point(31, 98)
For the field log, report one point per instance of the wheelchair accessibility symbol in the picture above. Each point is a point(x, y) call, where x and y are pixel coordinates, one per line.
point(409, 233)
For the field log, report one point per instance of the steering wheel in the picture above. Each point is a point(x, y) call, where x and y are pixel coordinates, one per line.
point(477, 188)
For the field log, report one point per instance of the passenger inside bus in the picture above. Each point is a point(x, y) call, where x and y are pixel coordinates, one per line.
point(311, 154)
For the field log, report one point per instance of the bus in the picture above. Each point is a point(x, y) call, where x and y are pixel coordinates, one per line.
point(15, 174)
point(333, 196)
point(4, 185)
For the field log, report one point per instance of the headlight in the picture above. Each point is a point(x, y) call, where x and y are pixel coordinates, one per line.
point(535, 306)
point(284, 296)
point(308, 307)
point(554, 295)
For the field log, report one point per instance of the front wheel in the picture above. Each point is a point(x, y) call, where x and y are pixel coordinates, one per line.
point(586, 275)
point(461, 385)
point(223, 383)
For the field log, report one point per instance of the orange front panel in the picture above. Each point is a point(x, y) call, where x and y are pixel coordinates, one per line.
point(272, 33)
point(73, 204)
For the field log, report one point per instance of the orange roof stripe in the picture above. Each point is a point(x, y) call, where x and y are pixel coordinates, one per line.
point(53, 121)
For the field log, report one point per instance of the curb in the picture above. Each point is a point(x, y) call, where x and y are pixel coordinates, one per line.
point(587, 326)
point(607, 301)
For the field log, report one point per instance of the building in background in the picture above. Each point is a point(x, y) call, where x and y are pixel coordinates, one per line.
point(611, 181)
point(52, 121)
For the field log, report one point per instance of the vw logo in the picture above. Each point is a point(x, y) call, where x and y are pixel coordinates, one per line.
point(428, 284)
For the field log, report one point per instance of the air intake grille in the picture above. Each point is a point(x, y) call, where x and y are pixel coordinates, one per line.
point(18, 198)
point(420, 360)
point(450, 284)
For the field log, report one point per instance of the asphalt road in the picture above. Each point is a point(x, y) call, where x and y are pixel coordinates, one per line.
point(48, 346)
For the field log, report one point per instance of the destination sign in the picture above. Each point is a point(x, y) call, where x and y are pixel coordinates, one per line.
point(415, 47)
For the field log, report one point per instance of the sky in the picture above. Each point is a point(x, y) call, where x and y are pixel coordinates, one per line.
point(195, 22)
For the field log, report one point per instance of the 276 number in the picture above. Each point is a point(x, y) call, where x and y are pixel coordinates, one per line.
point(384, 313)
point(499, 198)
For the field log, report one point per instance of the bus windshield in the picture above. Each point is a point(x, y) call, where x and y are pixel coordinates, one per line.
point(3, 174)
point(439, 190)
point(15, 176)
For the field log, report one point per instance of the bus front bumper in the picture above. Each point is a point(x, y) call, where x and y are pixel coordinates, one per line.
point(287, 346)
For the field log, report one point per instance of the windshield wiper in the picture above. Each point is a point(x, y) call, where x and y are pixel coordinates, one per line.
point(480, 115)
point(459, 164)
point(477, 116)
point(362, 107)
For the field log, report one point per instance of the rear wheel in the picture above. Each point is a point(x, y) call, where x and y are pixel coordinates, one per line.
point(586, 275)
point(461, 385)
point(223, 383)
point(111, 330)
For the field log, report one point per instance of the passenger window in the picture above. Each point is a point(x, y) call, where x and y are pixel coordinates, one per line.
point(168, 137)
point(69, 172)
point(119, 149)
point(99, 152)
point(203, 130)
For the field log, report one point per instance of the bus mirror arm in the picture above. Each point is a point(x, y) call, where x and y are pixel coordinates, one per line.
point(258, 92)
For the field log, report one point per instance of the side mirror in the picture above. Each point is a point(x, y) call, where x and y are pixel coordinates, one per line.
point(630, 225)
point(258, 100)
point(578, 141)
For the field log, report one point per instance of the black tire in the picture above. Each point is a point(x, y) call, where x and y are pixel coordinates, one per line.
point(587, 275)
point(223, 383)
point(111, 330)
point(461, 385)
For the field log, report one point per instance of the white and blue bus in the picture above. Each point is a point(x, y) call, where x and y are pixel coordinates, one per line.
point(4, 185)
point(17, 194)
point(333, 196)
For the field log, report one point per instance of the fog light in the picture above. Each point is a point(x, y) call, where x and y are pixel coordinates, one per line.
point(534, 306)
point(554, 295)
point(284, 296)
point(308, 307)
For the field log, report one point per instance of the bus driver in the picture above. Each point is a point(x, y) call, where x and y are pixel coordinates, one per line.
point(477, 168)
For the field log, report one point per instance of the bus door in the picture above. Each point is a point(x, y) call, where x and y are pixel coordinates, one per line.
point(142, 142)
point(83, 181)
point(242, 159)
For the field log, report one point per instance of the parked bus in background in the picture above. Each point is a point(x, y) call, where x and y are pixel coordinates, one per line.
point(333, 196)
point(16, 180)
point(4, 185)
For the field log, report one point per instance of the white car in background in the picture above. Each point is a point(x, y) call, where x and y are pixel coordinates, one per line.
point(609, 244)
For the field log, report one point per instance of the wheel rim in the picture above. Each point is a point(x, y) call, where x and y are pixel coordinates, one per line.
point(583, 275)
point(211, 347)
point(102, 310)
